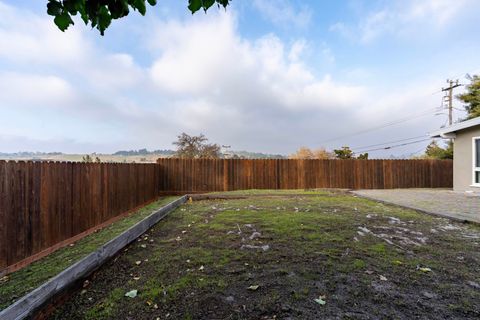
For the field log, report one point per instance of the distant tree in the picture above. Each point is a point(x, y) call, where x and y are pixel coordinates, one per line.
point(471, 98)
point(97, 160)
point(307, 153)
point(322, 153)
point(344, 153)
point(195, 147)
point(434, 151)
point(87, 158)
point(363, 156)
point(100, 13)
point(303, 153)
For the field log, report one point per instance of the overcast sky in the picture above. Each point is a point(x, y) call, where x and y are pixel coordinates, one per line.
point(265, 76)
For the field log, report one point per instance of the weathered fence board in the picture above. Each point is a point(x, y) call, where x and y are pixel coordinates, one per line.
point(45, 203)
point(205, 175)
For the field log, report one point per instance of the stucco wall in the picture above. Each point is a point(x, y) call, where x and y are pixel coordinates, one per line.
point(463, 158)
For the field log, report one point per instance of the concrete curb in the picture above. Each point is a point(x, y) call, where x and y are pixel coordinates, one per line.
point(33, 301)
point(436, 214)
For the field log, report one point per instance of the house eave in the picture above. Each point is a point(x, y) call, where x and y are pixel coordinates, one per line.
point(450, 131)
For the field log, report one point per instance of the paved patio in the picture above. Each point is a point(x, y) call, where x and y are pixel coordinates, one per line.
point(455, 205)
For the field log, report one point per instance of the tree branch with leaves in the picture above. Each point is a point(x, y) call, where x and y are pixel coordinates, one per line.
point(471, 98)
point(100, 13)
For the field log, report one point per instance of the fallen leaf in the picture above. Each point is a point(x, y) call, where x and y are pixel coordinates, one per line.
point(138, 262)
point(136, 278)
point(149, 303)
point(131, 294)
point(425, 269)
point(143, 246)
point(253, 287)
point(201, 268)
point(383, 278)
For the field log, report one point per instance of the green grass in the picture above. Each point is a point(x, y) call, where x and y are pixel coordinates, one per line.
point(21, 282)
point(314, 249)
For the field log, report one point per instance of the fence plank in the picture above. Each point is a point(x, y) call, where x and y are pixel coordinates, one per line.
point(207, 175)
point(45, 203)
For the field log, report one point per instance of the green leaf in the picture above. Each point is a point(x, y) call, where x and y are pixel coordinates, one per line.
point(140, 6)
point(54, 8)
point(320, 301)
point(207, 4)
point(63, 20)
point(104, 19)
point(152, 2)
point(224, 3)
point(194, 5)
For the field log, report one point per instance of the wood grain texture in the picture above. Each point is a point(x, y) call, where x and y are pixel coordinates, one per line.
point(45, 203)
point(180, 176)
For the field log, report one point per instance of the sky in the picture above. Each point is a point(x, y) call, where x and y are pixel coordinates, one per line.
point(264, 75)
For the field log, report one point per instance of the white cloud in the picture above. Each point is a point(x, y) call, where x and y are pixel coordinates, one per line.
point(256, 94)
point(283, 13)
point(405, 18)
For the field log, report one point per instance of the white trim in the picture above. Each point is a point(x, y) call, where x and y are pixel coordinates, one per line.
point(456, 127)
point(475, 169)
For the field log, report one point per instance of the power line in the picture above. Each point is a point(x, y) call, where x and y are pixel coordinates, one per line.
point(388, 124)
point(396, 146)
point(381, 144)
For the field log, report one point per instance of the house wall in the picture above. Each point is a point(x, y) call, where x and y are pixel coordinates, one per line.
point(463, 160)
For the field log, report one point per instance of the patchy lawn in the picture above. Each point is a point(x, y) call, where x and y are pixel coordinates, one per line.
point(17, 284)
point(309, 256)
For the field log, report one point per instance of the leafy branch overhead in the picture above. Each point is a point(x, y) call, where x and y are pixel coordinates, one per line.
point(100, 13)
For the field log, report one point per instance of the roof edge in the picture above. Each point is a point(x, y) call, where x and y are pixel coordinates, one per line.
point(455, 128)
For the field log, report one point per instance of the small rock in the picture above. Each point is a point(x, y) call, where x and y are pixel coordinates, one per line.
point(429, 295)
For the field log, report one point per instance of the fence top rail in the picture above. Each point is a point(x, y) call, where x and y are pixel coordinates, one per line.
point(287, 159)
point(72, 162)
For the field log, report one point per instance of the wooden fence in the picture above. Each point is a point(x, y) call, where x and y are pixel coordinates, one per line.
point(206, 175)
point(43, 204)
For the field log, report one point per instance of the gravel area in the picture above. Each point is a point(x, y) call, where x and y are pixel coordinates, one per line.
point(456, 205)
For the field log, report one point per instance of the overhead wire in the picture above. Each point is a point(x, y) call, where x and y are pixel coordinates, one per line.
point(385, 143)
point(388, 124)
point(395, 146)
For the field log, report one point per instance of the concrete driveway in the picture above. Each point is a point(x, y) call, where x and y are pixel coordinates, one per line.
point(455, 205)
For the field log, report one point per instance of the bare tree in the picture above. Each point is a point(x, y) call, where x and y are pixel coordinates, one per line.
point(195, 147)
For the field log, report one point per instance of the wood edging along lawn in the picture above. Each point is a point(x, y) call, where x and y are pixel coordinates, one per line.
point(33, 301)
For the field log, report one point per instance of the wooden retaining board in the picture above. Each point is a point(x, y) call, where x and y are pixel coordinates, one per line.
point(33, 301)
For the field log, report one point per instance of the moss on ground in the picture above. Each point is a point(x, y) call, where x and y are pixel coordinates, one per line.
point(18, 283)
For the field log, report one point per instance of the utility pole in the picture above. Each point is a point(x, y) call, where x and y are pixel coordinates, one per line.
point(449, 98)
